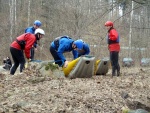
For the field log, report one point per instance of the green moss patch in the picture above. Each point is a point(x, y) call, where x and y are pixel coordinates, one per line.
point(51, 66)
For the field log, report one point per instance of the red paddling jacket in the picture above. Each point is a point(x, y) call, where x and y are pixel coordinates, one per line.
point(29, 40)
point(113, 40)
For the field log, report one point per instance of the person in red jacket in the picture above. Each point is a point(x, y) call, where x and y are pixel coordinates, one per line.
point(114, 47)
point(21, 45)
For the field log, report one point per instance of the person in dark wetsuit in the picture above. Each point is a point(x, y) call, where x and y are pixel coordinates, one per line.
point(113, 40)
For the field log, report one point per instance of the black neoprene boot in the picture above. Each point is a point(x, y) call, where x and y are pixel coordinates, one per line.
point(118, 73)
point(113, 72)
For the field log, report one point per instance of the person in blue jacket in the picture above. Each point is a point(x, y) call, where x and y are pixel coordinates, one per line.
point(64, 44)
point(31, 30)
point(85, 50)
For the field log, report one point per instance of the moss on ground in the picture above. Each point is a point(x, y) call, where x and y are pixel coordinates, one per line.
point(51, 66)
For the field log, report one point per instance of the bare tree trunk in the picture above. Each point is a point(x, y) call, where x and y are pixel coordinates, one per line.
point(29, 13)
point(89, 7)
point(112, 12)
point(15, 14)
point(11, 17)
point(130, 32)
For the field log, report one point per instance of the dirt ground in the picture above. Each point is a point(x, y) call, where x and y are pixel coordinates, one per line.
point(31, 93)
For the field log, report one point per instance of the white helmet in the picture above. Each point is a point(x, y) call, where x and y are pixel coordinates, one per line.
point(39, 30)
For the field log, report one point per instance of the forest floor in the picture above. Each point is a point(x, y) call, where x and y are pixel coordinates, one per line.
point(29, 93)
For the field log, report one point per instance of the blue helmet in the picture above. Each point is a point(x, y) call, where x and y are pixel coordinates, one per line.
point(79, 43)
point(37, 23)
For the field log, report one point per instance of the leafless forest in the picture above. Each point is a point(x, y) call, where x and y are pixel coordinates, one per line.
point(79, 19)
point(47, 91)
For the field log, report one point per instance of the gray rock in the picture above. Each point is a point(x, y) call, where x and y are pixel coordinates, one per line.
point(138, 111)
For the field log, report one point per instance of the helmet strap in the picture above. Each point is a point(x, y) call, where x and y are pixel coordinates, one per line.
point(110, 29)
point(37, 36)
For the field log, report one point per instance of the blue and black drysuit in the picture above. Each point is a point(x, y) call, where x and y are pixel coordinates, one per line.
point(31, 30)
point(59, 46)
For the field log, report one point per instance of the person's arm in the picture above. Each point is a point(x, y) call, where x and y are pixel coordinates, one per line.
point(30, 39)
point(65, 64)
point(75, 54)
point(61, 56)
point(30, 30)
point(35, 44)
point(61, 49)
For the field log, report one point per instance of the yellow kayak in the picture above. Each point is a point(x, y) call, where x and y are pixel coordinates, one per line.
point(70, 66)
point(96, 66)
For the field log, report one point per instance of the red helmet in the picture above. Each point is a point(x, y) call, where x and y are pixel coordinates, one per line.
point(109, 23)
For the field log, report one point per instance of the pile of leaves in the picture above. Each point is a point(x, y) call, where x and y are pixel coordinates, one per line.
point(33, 92)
